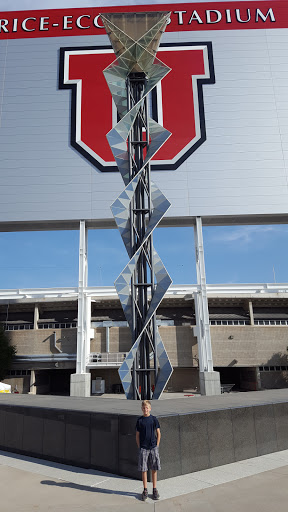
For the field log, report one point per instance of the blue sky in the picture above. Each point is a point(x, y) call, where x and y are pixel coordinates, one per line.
point(238, 254)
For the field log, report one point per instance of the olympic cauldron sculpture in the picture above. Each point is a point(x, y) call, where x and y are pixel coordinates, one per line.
point(135, 139)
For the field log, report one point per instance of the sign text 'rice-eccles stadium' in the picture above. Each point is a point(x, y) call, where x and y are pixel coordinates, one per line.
point(225, 101)
point(58, 22)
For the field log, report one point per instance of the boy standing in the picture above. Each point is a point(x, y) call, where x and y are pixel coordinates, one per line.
point(148, 438)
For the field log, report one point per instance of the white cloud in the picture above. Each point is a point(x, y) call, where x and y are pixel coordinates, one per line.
point(243, 234)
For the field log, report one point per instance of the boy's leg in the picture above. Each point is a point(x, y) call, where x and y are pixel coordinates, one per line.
point(155, 466)
point(155, 494)
point(154, 478)
point(142, 466)
point(145, 491)
point(144, 479)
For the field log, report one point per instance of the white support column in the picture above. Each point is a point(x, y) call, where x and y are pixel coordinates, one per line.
point(251, 312)
point(107, 338)
point(107, 325)
point(209, 380)
point(83, 281)
point(81, 381)
point(36, 316)
point(89, 332)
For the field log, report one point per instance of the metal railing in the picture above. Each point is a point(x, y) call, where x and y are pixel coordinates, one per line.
point(106, 358)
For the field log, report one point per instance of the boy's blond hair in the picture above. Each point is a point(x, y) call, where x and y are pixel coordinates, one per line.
point(146, 402)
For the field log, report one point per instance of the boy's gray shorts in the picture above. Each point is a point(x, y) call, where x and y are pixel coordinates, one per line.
point(149, 459)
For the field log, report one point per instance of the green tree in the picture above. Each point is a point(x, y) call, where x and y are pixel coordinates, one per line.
point(7, 352)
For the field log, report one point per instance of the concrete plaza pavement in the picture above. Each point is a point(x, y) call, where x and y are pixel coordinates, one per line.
point(35, 485)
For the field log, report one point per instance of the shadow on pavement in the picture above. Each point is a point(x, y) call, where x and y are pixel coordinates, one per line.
point(80, 487)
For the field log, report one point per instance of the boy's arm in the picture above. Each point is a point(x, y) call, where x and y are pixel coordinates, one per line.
point(158, 435)
point(138, 438)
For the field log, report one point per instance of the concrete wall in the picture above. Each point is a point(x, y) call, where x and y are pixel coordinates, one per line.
point(250, 346)
point(120, 339)
point(98, 343)
point(179, 342)
point(40, 341)
point(180, 345)
point(190, 442)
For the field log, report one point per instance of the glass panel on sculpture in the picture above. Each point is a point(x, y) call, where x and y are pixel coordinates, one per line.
point(135, 25)
point(125, 31)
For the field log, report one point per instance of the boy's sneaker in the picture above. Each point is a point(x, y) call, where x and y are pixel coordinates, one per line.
point(155, 495)
point(144, 495)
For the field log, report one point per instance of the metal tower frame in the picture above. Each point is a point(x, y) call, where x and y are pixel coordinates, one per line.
point(134, 140)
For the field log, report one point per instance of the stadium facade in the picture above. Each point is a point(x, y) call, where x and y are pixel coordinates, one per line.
point(225, 102)
point(248, 330)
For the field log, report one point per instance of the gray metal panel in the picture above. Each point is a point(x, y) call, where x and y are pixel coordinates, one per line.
point(241, 169)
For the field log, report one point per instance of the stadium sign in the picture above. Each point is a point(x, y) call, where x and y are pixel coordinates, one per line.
point(60, 23)
point(191, 67)
point(225, 102)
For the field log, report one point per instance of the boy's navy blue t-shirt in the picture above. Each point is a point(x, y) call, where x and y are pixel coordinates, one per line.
point(146, 426)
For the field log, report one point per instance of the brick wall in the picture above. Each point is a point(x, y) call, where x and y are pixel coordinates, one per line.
point(120, 339)
point(251, 345)
point(40, 341)
point(98, 343)
point(179, 343)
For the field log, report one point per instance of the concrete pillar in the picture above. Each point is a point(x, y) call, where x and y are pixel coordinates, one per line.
point(80, 384)
point(251, 312)
point(32, 384)
point(209, 380)
point(36, 316)
point(107, 325)
point(248, 306)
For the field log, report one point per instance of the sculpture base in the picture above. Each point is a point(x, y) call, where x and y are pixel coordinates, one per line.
point(99, 433)
point(210, 384)
point(80, 384)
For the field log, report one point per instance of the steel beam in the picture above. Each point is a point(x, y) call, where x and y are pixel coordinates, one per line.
point(82, 302)
point(209, 380)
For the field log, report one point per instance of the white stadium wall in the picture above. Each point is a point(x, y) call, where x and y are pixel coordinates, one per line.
point(228, 154)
